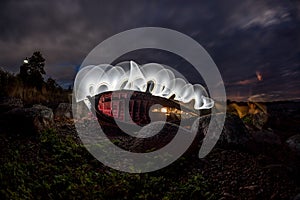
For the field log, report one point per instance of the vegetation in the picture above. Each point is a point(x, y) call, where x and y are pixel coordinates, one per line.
point(55, 166)
point(29, 84)
point(32, 71)
point(247, 120)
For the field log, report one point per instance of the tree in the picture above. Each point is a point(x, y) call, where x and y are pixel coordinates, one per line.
point(32, 70)
point(52, 85)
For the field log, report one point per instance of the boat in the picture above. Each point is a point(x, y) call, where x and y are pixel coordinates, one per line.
point(142, 108)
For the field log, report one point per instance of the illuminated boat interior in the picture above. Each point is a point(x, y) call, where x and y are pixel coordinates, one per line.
point(110, 106)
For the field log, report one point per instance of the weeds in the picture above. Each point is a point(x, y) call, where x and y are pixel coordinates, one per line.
point(54, 166)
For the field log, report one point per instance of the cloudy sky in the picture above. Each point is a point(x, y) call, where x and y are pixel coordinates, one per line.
point(255, 44)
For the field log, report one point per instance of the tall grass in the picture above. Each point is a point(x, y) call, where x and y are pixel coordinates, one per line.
point(12, 86)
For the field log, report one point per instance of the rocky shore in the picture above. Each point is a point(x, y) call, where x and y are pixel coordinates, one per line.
point(246, 163)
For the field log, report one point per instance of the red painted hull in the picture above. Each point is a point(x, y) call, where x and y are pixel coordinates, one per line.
point(111, 106)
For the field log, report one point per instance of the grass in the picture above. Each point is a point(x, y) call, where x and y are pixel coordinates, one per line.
point(11, 85)
point(55, 166)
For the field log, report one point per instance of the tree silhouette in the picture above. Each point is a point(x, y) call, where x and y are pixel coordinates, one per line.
point(52, 85)
point(32, 70)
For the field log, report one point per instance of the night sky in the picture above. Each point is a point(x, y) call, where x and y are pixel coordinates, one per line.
point(255, 44)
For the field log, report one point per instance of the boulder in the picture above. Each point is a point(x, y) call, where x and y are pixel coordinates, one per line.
point(234, 132)
point(155, 136)
point(297, 197)
point(80, 111)
point(294, 143)
point(63, 111)
point(30, 121)
point(8, 103)
point(266, 137)
point(259, 120)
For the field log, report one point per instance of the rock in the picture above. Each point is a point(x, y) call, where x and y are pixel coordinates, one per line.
point(80, 111)
point(254, 112)
point(200, 126)
point(30, 121)
point(256, 121)
point(234, 133)
point(8, 103)
point(297, 197)
point(63, 111)
point(294, 143)
point(160, 136)
point(266, 137)
point(259, 120)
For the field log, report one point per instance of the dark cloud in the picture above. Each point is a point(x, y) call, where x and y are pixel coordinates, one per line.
point(242, 37)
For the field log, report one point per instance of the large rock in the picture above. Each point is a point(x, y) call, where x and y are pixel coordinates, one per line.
point(266, 137)
point(30, 121)
point(63, 111)
point(155, 136)
point(234, 132)
point(8, 103)
point(259, 120)
point(297, 197)
point(294, 144)
point(80, 111)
